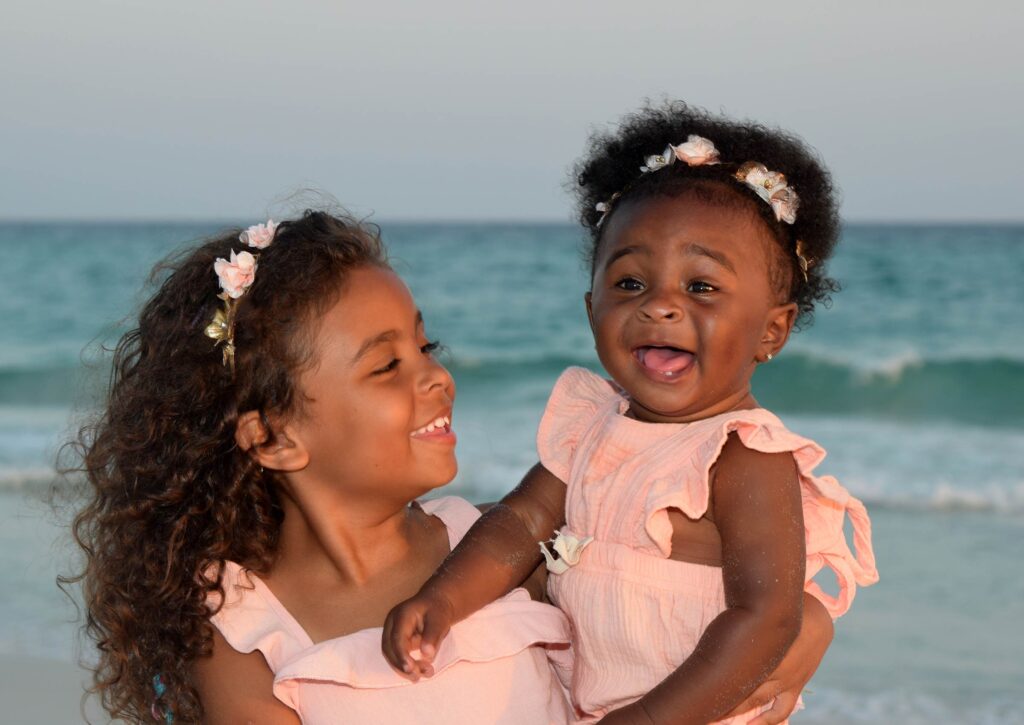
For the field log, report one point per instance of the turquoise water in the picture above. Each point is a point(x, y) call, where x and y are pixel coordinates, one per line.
point(913, 379)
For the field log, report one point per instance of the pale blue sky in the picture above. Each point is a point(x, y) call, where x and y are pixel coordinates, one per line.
point(458, 109)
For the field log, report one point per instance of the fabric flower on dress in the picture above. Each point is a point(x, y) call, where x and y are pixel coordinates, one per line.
point(772, 187)
point(236, 275)
point(569, 549)
point(259, 235)
point(697, 151)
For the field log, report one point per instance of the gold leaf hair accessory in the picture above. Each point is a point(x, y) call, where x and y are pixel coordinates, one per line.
point(236, 276)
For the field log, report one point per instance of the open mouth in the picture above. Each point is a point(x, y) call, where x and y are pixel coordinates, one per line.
point(442, 425)
point(663, 362)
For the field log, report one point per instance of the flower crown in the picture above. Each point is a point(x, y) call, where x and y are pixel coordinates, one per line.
point(770, 186)
point(236, 275)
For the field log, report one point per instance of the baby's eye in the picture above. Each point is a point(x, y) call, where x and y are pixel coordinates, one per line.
point(630, 284)
point(700, 287)
point(387, 368)
point(431, 347)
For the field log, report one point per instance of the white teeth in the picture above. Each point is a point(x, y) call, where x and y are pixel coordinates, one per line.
point(441, 422)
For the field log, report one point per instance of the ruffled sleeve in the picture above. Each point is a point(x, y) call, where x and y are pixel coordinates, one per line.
point(686, 486)
point(250, 620)
point(576, 398)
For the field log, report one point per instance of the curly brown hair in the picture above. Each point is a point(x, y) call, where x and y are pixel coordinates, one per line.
point(170, 496)
point(612, 163)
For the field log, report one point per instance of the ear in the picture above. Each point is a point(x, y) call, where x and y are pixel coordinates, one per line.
point(590, 309)
point(778, 325)
point(275, 449)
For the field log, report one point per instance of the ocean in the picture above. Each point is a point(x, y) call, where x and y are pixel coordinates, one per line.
point(913, 380)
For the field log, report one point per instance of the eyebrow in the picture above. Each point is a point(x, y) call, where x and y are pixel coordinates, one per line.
point(620, 253)
point(386, 336)
point(690, 249)
point(711, 254)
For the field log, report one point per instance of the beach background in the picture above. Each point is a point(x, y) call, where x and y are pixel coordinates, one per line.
point(131, 130)
point(912, 380)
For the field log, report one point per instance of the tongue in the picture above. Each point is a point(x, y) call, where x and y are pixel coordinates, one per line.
point(665, 360)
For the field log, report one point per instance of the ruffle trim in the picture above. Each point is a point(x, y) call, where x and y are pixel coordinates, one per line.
point(826, 503)
point(251, 620)
point(502, 629)
point(578, 394)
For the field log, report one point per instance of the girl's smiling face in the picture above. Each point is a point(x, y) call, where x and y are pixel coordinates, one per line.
point(683, 308)
point(376, 421)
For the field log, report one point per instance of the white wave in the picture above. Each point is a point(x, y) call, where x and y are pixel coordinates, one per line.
point(32, 478)
point(907, 707)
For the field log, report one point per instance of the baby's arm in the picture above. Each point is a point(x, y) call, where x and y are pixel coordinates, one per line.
point(757, 509)
point(497, 554)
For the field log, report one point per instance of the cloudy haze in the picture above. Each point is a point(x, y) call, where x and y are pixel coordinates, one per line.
point(474, 110)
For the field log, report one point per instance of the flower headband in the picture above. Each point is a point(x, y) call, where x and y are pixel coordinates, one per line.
point(236, 275)
point(771, 186)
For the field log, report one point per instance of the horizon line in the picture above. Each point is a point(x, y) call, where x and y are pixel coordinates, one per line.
point(454, 221)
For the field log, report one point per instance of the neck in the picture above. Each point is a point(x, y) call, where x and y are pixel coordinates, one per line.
point(328, 535)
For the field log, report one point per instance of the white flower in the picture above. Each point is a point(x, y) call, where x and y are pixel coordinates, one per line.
point(653, 163)
point(259, 235)
point(569, 549)
point(697, 151)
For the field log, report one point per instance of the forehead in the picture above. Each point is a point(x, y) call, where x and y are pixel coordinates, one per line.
point(668, 224)
point(372, 300)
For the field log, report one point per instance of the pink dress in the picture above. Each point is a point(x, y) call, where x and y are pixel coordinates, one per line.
point(636, 614)
point(492, 668)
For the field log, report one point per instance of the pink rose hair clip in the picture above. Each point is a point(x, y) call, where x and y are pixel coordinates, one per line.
point(236, 276)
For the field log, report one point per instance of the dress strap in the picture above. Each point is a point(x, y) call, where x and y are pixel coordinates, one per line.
point(457, 514)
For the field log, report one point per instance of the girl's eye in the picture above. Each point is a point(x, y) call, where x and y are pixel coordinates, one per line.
point(700, 288)
point(630, 284)
point(431, 347)
point(387, 368)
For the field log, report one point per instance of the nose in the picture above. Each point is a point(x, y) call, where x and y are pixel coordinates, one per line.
point(660, 307)
point(436, 375)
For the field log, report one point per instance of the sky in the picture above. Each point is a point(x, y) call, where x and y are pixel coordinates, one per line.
point(461, 109)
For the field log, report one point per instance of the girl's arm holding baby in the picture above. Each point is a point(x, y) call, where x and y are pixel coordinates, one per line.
point(496, 556)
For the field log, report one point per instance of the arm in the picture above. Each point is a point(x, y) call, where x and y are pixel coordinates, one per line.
point(798, 666)
point(757, 508)
point(497, 554)
point(237, 688)
point(537, 582)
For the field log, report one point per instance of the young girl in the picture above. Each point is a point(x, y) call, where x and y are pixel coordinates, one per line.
point(688, 520)
point(252, 516)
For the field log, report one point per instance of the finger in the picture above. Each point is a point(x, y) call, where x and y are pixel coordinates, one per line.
point(760, 697)
point(404, 638)
point(434, 631)
point(779, 711)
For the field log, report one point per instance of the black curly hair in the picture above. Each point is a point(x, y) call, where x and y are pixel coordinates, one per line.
point(612, 163)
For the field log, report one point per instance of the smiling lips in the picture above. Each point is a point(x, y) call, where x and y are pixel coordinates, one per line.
point(437, 428)
point(662, 362)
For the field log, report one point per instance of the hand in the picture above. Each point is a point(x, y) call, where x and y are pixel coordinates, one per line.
point(633, 714)
point(796, 668)
point(419, 623)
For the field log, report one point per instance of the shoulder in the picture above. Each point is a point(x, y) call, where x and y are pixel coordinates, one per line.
point(237, 687)
point(583, 386)
point(738, 460)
